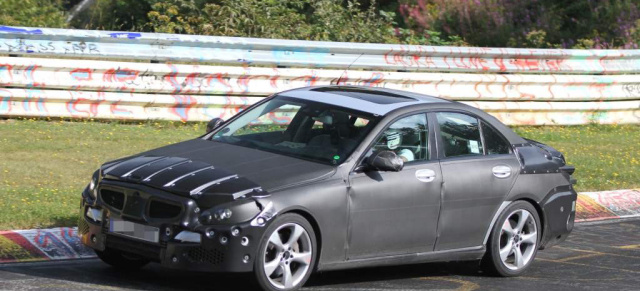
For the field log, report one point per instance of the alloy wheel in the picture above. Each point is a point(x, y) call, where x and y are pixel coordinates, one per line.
point(518, 239)
point(288, 256)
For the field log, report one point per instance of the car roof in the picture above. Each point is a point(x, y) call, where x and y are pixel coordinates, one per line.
point(373, 100)
point(381, 101)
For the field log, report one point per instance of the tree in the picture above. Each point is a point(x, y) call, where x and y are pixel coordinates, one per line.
point(35, 13)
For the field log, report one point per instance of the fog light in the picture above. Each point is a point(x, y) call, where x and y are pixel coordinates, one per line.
point(224, 240)
point(246, 259)
point(210, 234)
point(174, 259)
point(235, 231)
point(94, 239)
point(244, 241)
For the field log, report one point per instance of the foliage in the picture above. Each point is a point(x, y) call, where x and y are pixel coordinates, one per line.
point(295, 19)
point(533, 23)
point(114, 15)
point(35, 13)
point(323, 20)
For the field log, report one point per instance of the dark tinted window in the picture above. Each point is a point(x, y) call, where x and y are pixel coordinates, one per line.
point(406, 137)
point(460, 134)
point(493, 141)
point(299, 128)
point(378, 97)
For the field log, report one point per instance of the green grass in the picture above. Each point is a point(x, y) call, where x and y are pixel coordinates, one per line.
point(44, 165)
point(606, 157)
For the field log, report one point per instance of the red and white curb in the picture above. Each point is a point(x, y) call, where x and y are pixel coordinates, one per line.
point(63, 243)
point(593, 206)
point(60, 243)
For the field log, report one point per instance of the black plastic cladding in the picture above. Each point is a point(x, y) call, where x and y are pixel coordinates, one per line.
point(328, 194)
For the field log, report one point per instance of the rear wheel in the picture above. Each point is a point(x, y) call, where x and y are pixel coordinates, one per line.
point(514, 240)
point(286, 255)
point(121, 260)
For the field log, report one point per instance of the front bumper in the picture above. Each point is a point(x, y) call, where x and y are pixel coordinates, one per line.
point(222, 248)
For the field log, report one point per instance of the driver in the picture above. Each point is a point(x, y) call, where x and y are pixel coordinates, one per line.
point(393, 140)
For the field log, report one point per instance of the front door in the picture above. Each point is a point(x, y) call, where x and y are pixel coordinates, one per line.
point(394, 213)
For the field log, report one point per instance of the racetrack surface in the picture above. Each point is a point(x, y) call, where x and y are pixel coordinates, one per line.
point(597, 256)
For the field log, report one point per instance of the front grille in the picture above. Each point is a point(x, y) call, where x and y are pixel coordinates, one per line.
point(141, 249)
point(209, 256)
point(112, 198)
point(158, 209)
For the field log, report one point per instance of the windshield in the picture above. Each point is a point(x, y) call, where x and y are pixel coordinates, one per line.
point(299, 128)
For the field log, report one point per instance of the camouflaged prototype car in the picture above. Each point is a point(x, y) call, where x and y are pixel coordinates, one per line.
point(333, 177)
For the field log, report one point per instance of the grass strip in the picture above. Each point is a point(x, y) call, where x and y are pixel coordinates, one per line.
point(44, 165)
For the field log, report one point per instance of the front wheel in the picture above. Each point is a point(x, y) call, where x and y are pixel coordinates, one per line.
point(286, 255)
point(514, 240)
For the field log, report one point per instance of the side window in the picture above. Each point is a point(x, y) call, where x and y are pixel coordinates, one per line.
point(460, 134)
point(406, 137)
point(494, 142)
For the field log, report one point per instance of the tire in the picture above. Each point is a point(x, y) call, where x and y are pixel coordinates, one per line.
point(514, 241)
point(279, 255)
point(119, 260)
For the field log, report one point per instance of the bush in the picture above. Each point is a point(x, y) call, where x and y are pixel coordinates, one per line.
point(540, 24)
point(35, 13)
point(114, 15)
point(328, 20)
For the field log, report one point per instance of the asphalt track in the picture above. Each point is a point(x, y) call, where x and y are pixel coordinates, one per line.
point(597, 256)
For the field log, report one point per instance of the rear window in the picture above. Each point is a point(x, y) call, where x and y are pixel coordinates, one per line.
point(460, 134)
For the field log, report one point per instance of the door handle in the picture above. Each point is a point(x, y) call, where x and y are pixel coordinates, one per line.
point(425, 175)
point(501, 172)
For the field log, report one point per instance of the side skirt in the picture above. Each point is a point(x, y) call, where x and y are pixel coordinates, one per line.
point(464, 254)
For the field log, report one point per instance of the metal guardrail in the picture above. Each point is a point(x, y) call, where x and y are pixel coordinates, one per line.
point(256, 51)
point(519, 86)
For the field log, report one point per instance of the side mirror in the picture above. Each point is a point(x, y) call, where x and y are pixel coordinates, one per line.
point(386, 161)
point(214, 123)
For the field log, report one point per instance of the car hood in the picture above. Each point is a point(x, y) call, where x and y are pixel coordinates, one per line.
point(212, 170)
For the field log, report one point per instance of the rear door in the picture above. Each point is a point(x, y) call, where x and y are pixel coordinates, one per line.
point(478, 169)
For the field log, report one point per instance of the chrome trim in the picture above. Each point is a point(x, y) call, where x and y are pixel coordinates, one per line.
point(173, 182)
point(204, 186)
point(127, 174)
point(110, 168)
point(267, 214)
point(148, 178)
point(243, 193)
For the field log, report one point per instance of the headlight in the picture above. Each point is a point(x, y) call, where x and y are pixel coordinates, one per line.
point(222, 214)
point(92, 185)
point(230, 213)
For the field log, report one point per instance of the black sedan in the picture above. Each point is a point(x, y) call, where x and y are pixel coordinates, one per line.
point(334, 177)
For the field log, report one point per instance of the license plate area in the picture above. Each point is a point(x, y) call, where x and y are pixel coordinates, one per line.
point(134, 230)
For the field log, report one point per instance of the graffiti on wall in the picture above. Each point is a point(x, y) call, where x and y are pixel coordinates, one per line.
point(119, 90)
